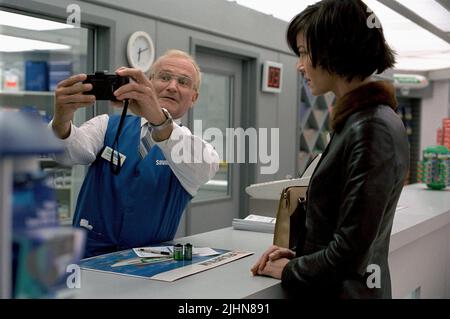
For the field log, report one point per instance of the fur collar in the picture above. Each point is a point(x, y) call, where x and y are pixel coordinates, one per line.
point(367, 95)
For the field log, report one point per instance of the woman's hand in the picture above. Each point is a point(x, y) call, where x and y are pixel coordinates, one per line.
point(274, 268)
point(272, 262)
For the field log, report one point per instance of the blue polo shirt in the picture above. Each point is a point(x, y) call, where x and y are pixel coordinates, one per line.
point(142, 205)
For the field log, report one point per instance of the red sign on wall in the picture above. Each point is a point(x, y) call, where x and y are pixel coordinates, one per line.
point(272, 77)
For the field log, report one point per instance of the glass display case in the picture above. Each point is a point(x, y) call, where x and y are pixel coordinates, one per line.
point(37, 52)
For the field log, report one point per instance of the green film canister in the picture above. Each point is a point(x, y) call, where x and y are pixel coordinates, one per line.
point(188, 252)
point(178, 252)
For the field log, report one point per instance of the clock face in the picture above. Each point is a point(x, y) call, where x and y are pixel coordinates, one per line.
point(140, 51)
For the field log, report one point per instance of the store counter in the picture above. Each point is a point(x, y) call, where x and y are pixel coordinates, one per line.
point(232, 280)
point(419, 252)
point(419, 259)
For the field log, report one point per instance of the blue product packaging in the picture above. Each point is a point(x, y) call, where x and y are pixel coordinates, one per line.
point(34, 202)
point(45, 259)
point(36, 76)
point(58, 71)
point(44, 253)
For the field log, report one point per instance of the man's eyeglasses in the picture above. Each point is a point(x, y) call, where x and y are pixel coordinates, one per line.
point(182, 81)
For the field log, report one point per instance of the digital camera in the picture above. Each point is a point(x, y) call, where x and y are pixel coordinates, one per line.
point(103, 85)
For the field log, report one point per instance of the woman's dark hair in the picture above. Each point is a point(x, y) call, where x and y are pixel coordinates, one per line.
point(342, 37)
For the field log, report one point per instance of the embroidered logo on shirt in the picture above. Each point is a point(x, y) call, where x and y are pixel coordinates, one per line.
point(162, 162)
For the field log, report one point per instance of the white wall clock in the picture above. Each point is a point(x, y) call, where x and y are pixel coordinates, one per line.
point(140, 51)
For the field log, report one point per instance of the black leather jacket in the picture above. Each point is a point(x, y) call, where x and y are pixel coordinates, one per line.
point(352, 199)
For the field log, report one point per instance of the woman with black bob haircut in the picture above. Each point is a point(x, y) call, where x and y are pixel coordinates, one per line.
point(353, 193)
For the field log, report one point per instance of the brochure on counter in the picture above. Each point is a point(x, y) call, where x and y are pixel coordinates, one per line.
point(157, 263)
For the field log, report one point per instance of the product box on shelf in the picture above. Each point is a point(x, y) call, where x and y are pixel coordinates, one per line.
point(58, 71)
point(36, 76)
point(44, 252)
point(11, 80)
point(444, 133)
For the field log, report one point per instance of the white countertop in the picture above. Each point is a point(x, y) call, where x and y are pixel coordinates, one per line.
point(232, 280)
point(426, 210)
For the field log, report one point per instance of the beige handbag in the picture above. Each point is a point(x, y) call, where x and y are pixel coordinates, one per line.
point(291, 215)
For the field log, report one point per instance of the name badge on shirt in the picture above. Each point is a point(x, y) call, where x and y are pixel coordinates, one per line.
point(106, 154)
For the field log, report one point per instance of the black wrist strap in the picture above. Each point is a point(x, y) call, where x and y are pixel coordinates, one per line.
point(115, 169)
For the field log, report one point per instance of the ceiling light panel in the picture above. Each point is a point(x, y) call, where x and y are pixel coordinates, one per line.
point(15, 44)
point(431, 11)
point(30, 23)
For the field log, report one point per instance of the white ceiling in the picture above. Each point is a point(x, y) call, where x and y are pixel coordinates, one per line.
point(417, 48)
point(430, 10)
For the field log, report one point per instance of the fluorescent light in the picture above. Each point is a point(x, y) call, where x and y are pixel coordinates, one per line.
point(404, 36)
point(432, 60)
point(423, 63)
point(431, 11)
point(14, 44)
point(30, 23)
point(281, 9)
point(417, 48)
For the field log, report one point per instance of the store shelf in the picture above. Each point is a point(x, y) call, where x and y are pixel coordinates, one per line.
point(27, 93)
point(409, 110)
point(22, 69)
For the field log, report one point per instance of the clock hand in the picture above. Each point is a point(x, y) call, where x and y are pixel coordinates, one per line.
point(140, 51)
point(139, 54)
